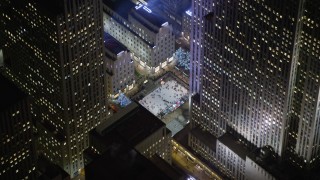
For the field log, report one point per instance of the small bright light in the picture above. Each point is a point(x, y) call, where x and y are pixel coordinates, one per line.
point(119, 53)
point(147, 9)
point(165, 24)
point(139, 6)
point(189, 13)
point(191, 178)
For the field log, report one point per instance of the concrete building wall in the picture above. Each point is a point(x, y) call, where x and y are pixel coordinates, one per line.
point(253, 171)
point(165, 41)
point(201, 148)
point(158, 143)
point(229, 162)
point(121, 73)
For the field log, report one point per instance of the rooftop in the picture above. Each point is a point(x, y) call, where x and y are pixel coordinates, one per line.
point(48, 170)
point(185, 7)
point(118, 115)
point(123, 11)
point(150, 17)
point(51, 8)
point(9, 94)
point(132, 128)
point(112, 44)
point(140, 126)
point(268, 160)
point(123, 162)
point(121, 7)
point(171, 171)
point(236, 146)
point(144, 23)
point(207, 138)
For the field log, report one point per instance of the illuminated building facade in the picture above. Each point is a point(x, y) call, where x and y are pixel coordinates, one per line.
point(304, 127)
point(54, 51)
point(255, 67)
point(147, 35)
point(199, 10)
point(17, 154)
point(120, 66)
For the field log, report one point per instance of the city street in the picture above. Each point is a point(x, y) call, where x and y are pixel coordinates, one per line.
point(192, 168)
point(191, 165)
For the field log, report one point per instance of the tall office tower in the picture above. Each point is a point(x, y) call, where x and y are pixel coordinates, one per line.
point(304, 127)
point(255, 65)
point(199, 10)
point(17, 154)
point(54, 51)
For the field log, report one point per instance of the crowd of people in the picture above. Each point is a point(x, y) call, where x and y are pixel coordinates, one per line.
point(167, 97)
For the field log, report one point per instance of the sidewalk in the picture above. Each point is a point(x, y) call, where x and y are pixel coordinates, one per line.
point(145, 72)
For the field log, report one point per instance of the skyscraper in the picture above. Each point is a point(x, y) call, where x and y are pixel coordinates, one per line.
point(304, 125)
point(54, 51)
point(17, 154)
point(199, 10)
point(255, 66)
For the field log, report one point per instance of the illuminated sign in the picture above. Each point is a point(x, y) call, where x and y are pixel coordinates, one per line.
point(165, 24)
point(147, 9)
point(189, 13)
point(139, 6)
point(144, 7)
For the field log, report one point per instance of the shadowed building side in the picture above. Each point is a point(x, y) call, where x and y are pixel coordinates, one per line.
point(54, 52)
